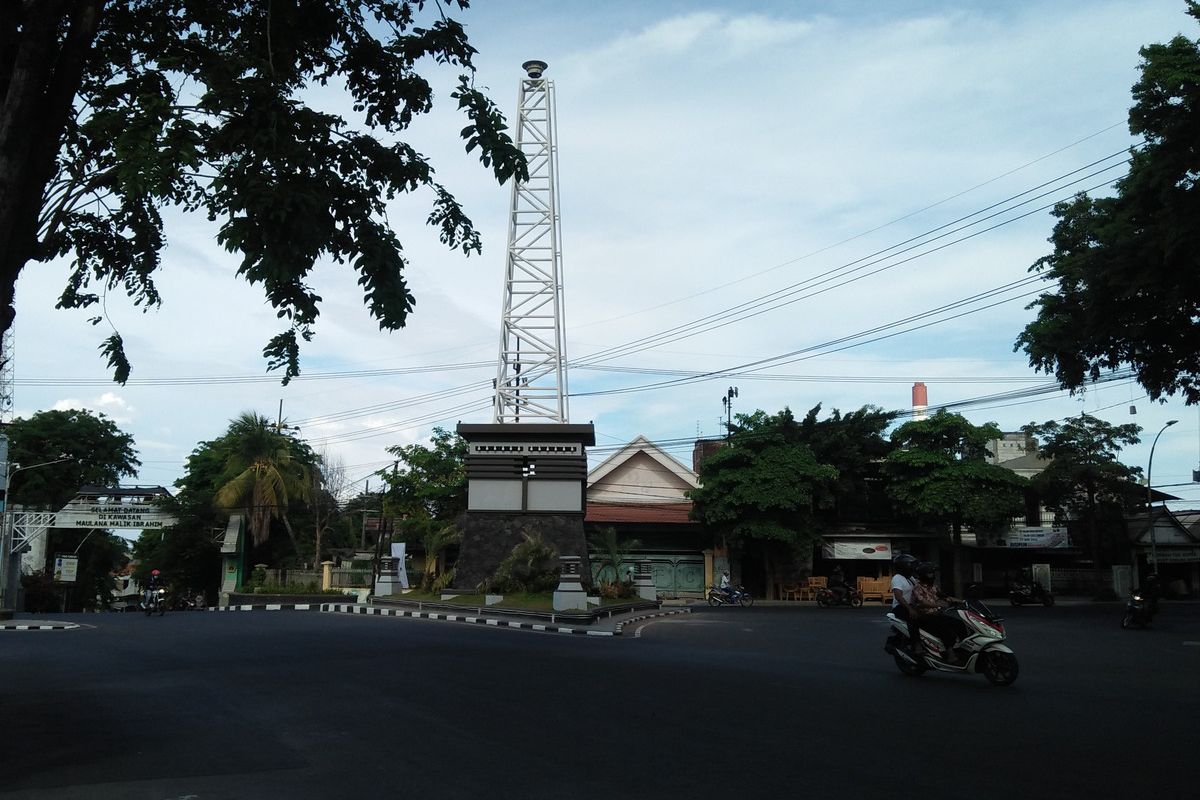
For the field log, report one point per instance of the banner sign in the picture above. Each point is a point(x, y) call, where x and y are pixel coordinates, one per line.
point(66, 569)
point(113, 515)
point(1177, 555)
point(1041, 538)
point(843, 548)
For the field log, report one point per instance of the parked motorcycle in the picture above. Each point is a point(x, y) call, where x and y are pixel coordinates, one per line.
point(734, 595)
point(980, 650)
point(186, 602)
point(827, 597)
point(155, 601)
point(1023, 593)
point(1139, 611)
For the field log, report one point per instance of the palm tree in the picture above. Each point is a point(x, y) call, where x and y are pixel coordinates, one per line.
point(266, 476)
point(607, 552)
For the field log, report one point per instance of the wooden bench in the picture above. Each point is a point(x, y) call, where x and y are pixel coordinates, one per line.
point(875, 589)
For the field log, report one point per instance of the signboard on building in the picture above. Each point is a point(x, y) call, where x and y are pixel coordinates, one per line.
point(1178, 555)
point(66, 569)
point(857, 549)
point(1041, 538)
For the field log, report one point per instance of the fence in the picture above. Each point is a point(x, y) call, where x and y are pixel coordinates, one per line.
point(350, 577)
point(340, 578)
point(1064, 580)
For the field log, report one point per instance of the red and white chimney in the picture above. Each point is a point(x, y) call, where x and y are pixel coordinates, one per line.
point(920, 399)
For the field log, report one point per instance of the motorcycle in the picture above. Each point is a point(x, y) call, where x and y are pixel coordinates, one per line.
point(827, 597)
point(981, 650)
point(1139, 611)
point(1022, 593)
point(734, 595)
point(155, 601)
point(185, 602)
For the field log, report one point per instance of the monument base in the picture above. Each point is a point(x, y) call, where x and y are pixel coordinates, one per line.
point(489, 536)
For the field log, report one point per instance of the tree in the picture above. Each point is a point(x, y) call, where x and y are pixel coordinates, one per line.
point(112, 111)
point(327, 485)
point(855, 445)
point(428, 481)
point(1084, 477)
point(97, 452)
point(1127, 267)
point(607, 551)
point(265, 471)
point(938, 471)
point(188, 553)
point(763, 486)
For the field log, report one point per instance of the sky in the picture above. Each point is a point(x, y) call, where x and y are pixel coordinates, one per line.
point(831, 167)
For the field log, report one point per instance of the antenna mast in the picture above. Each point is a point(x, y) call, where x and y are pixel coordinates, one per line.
point(6, 377)
point(531, 376)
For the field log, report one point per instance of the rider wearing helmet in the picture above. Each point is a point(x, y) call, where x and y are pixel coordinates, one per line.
point(1150, 591)
point(154, 584)
point(928, 602)
point(902, 589)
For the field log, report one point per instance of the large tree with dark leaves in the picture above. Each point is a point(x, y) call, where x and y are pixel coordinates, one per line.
point(854, 444)
point(111, 110)
point(1084, 478)
point(94, 450)
point(761, 490)
point(939, 472)
point(1127, 267)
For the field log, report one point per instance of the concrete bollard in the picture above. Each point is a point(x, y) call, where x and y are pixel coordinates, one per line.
point(326, 575)
point(388, 582)
point(570, 595)
point(643, 581)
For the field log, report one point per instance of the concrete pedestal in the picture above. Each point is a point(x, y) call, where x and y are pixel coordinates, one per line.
point(643, 581)
point(388, 582)
point(569, 596)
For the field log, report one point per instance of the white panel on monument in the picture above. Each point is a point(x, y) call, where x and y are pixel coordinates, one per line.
point(555, 496)
point(494, 495)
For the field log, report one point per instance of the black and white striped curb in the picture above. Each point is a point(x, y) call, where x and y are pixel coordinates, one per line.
point(621, 625)
point(273, 607)
point(376, 611)
point(48, 626)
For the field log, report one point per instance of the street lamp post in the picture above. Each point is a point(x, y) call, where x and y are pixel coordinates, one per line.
point(1149, 516)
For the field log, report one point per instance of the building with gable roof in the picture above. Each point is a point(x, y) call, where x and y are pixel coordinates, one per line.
point(640, 491)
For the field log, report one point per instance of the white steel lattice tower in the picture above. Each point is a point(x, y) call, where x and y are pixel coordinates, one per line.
point(6, 376)
point(531, 376)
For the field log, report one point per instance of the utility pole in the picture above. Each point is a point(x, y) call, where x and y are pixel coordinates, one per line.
point(727, 401)
point(280, 426)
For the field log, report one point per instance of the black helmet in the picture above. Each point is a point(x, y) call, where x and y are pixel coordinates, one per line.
point(925, 572)
point(904, 564)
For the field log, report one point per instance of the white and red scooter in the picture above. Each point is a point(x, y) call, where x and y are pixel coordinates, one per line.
point(980, 648)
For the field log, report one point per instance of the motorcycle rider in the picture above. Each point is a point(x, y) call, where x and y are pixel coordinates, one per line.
point(902, 592)
point(929, 602)
point(1150, 591)
point(153, 585)
point(726, 587)
point(837, 584)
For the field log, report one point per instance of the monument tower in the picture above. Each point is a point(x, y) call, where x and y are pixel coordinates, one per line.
point(531, 378)
point(527, 470)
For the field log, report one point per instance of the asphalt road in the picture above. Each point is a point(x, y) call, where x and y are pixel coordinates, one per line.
point(762, 702)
